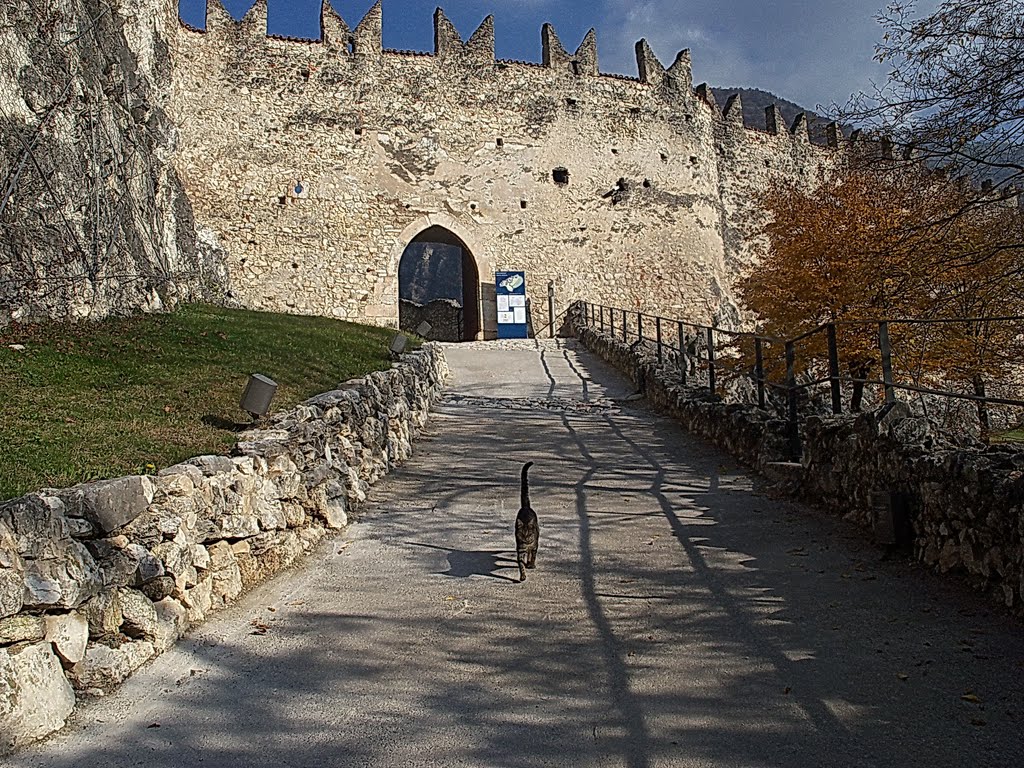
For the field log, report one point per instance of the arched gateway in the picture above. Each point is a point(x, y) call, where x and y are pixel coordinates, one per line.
point(438, 282)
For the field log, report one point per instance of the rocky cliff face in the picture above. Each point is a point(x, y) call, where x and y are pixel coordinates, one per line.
point(93, 218)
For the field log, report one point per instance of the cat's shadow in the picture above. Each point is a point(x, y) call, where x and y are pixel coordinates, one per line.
point(479, 562)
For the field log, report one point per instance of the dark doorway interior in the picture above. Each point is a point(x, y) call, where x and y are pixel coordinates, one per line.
point(438, 282)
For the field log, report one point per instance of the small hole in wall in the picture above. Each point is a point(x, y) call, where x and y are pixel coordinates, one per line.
point(282, 200)
point(664, 157)
point(499, 142)
point(767, 163)
point(560, 175)
point(571, 103)
point(244, 261)
point(522, 204)
point(615, 151)
point(693, 159)
point(689, 118)
point(295, 265)
point(647, 183)
point(634, 111)
point(359, 131)
point(472, 206)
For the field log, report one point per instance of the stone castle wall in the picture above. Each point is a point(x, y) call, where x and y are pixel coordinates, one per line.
point(317, 162)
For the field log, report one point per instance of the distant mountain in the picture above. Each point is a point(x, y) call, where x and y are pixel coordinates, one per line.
point(755, 101)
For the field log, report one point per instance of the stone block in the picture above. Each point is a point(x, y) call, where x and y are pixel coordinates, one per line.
point(110, 504)
point(69, 635)
point(159, 588)
point(12, 591)
point(148, 566)
point(227, 582)
point(238, 526)
point(200, 557)
point(175, 558)
point(198, 601)
point(35, 696)
point(22, 629)
point(171, 623)
point(140, 620)
point(104, 667)
point(271, 514)
point(212, 465)
point(103, 614)
point(63, 581)
point(221, 555)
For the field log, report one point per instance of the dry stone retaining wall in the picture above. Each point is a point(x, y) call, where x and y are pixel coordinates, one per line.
point(965, 506)
point(97, 579)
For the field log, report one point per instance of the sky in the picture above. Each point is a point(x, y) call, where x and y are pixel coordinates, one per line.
point(812, 52)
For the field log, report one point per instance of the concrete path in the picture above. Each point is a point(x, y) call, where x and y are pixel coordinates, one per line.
point(676, 618)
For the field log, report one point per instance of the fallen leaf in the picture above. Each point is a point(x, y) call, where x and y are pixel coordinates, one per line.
point(260, 627)
point(903, 676)
point(153, 725)
point(971, 697)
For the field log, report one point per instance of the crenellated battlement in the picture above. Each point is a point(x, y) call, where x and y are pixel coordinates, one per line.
point(339, 42)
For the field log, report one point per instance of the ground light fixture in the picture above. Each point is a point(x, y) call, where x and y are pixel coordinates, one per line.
point(259, 391)
point(398, 343)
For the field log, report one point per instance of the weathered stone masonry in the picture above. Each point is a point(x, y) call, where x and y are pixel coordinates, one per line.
point(97, 579)
point(93, 216)
point(318, 162)
point(153, 162)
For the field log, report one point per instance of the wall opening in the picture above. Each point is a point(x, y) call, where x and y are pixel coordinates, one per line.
point(438, 282)
point(560, 175)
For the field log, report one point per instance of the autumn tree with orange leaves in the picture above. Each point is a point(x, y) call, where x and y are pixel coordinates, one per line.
point(854, 248)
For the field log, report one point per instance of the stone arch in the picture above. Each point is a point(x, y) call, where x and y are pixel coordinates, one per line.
point(446, 231)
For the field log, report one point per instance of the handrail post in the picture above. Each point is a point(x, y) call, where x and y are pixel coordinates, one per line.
point(833, 371)
point(602, 318)
point(794, 424)
point(886, 350)
point(682, 354)
point(657, 333)
point(711, 360)
point(759, 372)
point(639, 327)
point(625, 326)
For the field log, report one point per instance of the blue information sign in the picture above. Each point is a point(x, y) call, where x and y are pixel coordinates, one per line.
point(511, 289)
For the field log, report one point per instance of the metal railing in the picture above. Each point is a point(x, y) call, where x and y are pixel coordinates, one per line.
point(702, 352)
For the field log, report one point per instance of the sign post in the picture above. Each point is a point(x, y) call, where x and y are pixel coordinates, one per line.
point(511, 290)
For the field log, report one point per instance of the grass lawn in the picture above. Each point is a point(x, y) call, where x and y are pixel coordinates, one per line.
point(1016, 436)
point(130, 396)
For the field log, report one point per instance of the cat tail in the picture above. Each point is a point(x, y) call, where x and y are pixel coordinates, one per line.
point(524, 486)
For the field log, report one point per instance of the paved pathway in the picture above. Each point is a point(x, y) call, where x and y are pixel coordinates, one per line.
point(676, 618)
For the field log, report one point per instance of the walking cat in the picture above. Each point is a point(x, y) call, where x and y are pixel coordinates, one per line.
point(527, 528)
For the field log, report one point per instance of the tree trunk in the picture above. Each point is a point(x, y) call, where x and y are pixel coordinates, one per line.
point(979, 390)
point(859, 372)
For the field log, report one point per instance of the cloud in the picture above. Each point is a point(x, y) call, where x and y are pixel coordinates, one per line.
point(809, 52)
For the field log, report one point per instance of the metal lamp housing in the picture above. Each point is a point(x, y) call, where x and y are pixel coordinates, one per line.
point(258, 394)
